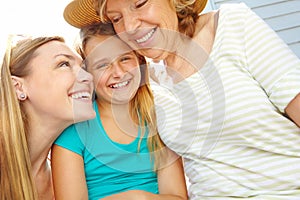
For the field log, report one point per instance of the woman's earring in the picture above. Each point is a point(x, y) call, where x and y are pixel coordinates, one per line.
point(22, 96)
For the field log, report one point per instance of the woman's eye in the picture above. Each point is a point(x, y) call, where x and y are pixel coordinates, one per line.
point(115, 20)
point(140, 3)
point(65, 64)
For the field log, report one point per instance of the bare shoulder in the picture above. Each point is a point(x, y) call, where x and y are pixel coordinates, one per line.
point(207, 22)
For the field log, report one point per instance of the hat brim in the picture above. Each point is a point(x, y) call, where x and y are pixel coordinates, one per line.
point(81, 13)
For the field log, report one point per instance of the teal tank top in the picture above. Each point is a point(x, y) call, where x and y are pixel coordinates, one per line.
point(110, 167)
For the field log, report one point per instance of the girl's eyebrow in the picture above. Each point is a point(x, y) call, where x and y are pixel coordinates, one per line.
point(88, 61)
point(94, 61)
point(124, 54)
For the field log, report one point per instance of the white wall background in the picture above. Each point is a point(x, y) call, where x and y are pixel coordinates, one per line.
point(34, 17)
point(282, 15)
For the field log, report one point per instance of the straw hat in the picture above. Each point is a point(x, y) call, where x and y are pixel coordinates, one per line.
point(81, 13)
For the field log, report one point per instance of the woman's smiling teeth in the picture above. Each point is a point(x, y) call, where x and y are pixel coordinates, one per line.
point(81, 95)
point(119, 85)
point(146, 37)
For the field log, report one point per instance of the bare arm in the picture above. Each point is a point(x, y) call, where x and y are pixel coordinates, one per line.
point(171, 179)
point(171, 184)
point(293, 110)
point(68, 174)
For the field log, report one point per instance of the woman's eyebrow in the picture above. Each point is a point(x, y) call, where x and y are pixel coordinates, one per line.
point(65, 55)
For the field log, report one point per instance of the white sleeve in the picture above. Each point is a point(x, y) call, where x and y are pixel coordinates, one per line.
point(168, 112)
point(270, 61)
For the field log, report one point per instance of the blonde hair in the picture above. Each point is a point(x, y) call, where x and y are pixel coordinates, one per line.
point(187, 13)
point(142, 103)
point(16, 181)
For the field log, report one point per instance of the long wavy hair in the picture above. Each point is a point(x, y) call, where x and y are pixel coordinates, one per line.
point(142, 103)
point(16, 180)
point(187, 13)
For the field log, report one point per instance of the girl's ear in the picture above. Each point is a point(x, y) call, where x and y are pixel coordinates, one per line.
point(18, 84)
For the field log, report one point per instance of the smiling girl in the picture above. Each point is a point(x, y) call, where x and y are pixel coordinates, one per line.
point(118, 155)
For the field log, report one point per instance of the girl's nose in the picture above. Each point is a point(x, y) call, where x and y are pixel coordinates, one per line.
point(117, 70)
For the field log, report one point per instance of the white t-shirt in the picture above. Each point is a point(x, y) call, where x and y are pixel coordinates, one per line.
point(227, 121)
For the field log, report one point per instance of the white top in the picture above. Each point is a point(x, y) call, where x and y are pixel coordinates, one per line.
point(228, 122)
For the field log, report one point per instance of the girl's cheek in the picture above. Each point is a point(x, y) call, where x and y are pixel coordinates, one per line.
point(98, 76)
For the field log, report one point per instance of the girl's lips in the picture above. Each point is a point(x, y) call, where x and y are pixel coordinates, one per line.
point(119, 85)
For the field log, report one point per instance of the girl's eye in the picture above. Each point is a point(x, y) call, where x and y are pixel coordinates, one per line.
point(140, 3)
point(125, 58)
point(102, 66)
point(65, 64)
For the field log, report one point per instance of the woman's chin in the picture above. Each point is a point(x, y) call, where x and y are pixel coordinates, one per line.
point(154, 54)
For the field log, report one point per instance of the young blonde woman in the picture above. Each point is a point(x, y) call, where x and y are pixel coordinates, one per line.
point(43, 90)
point(118, 155)
point(235, 111)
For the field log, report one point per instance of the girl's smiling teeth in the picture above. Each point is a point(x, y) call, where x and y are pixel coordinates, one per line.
point(119, 85)
point(81, 95)
point(146, 37)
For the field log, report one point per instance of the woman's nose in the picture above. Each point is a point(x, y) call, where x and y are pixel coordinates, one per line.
point(131, 22)
point(84, 76)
